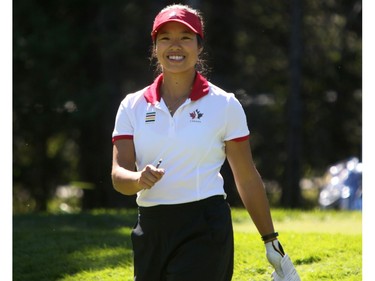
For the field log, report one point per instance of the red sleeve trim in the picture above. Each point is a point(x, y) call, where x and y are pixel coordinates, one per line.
point(241, 139)
point(122, 137)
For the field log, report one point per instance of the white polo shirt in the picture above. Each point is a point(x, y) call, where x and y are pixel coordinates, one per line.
point(191, 143)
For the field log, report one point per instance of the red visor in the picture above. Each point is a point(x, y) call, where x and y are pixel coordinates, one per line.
point(183, 16)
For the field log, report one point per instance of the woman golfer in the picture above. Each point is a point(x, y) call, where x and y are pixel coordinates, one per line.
point(170, 141)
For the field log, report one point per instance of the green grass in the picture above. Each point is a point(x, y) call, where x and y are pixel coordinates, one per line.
point(324, 245)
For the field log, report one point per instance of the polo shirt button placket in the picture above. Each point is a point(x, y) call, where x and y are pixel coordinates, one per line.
point(171, 127)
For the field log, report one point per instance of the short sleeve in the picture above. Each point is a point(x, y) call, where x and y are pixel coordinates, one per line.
point(123, 126)
point(236, 123)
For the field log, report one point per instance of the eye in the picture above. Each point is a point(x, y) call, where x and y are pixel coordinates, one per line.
point(187, 36)
point(163, 38)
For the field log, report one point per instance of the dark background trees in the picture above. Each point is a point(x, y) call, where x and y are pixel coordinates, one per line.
point(295, 66)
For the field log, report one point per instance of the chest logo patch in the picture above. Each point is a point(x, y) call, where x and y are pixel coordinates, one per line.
point(196, 115)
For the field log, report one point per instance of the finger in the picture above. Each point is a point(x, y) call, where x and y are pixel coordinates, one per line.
point(157, 173)
point(150, 176)
point(145, 183)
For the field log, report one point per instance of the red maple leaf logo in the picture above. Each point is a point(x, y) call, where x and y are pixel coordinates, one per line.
point(196, 114)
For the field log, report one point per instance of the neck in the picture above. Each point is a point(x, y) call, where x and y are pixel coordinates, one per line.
point(178, 85)
point(175, 89)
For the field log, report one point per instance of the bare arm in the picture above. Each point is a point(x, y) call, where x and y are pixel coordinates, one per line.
point(124, 177)
point(249, 185)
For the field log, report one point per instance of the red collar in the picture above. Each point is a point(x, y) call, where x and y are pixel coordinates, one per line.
point(200, 89)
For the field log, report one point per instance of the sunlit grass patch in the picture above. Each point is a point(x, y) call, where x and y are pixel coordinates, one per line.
point(96, 246)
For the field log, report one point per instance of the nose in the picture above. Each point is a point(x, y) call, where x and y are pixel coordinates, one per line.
point(175, 44)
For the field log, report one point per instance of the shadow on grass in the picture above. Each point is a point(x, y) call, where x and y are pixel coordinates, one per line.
point(49, 247)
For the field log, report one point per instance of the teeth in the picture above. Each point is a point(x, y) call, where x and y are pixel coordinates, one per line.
point(176, 57)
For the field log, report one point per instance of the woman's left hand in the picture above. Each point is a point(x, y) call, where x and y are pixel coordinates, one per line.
point(275, 253)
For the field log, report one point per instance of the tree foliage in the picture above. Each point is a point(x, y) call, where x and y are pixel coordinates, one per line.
point(74, 61)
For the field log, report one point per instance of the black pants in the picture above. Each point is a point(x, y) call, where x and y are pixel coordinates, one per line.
point(192, 242)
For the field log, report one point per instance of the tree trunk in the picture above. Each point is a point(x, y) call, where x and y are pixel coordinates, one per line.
point(291, 196)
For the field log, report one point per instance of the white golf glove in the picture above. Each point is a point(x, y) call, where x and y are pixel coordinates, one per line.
point(274, 253)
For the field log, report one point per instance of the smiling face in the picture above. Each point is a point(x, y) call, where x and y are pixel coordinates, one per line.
point(177, 48)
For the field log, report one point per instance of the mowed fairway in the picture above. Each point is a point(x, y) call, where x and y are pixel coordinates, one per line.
point(324, 245)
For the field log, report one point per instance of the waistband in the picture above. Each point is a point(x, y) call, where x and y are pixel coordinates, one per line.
point(181, 207)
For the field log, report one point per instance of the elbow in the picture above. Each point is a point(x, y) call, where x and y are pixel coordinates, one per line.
point(115, 186)
point(116, 182)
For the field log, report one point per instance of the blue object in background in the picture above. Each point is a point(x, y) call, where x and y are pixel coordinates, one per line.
point(343, 190)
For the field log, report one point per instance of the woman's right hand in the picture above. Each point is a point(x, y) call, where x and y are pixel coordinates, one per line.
point(149, 176)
